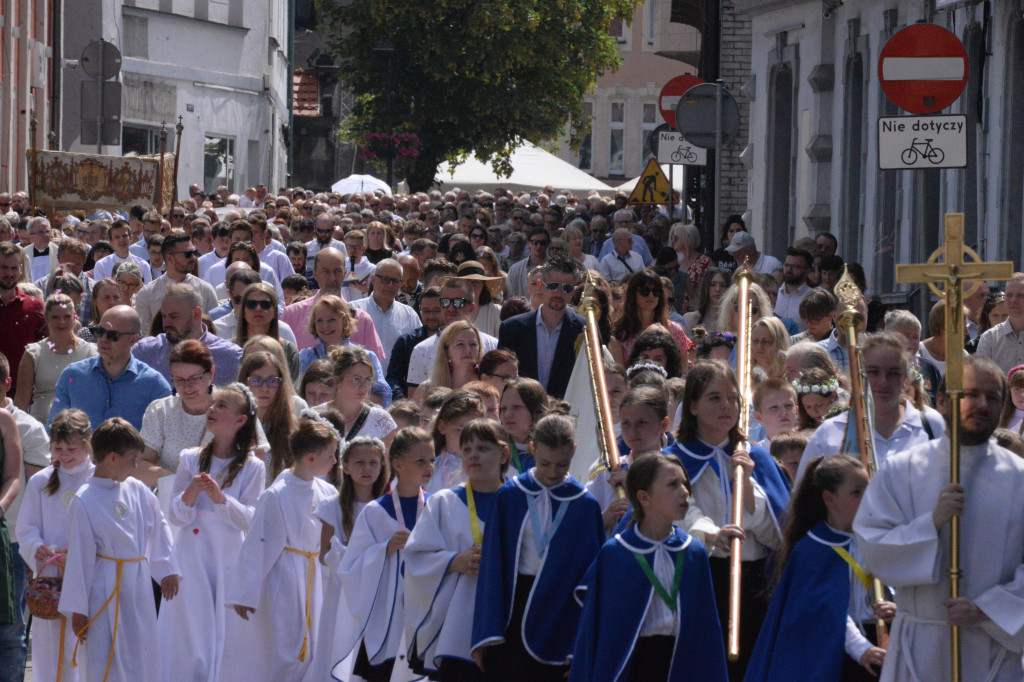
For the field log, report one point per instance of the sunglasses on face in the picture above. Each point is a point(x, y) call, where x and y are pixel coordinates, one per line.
point(262, 305)
point(650, 291)
point(191, 253)
point(110, 334)
point(259, 382)
point(458, 303)
point(540, 242)
point(555, 286)
point(177, 215)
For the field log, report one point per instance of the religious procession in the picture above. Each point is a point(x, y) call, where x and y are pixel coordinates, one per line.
point(333, 353)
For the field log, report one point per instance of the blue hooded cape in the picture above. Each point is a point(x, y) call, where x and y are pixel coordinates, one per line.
point(697, 456)
point(616, 596)
point(552, 615)
point(803, 634)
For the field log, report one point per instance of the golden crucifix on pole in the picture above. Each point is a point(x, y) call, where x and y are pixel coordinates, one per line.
point(953, 272)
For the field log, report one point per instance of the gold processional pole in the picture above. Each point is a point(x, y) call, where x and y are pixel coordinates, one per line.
point(591, 310)
point(954, 272)
point(743, 279)
point(177, 155)
point(849, 294)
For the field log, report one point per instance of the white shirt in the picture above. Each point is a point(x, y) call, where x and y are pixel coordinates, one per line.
point(613, 269)
point(35, 451)
point(277, 260)
point(390, 324)
point(421, 361)
point(788, 305)
point(313, 247)
point(104, 267)
point(149, 298)
point(767, 264)
point(660, 620)
point(215, 276)
point(1003, 346)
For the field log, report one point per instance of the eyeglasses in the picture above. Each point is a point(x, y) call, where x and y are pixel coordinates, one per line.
point(188, 381)
point(650, 291)
point(177, 215)
point(5, 203)
point(113, 336)
point(262, 305)
point(555, 286)
point(503, 377)
point(191, 253)
point(237, 300)
point(477, 235)
point(540, 242)
point(259, 382)
point(129, 285)
point(328, 231)
point(393, 281)
point(458, 303)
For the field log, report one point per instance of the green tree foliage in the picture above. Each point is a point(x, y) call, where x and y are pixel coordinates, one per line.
point(471, 75)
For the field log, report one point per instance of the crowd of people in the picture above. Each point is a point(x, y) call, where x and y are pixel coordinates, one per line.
point(310, 436)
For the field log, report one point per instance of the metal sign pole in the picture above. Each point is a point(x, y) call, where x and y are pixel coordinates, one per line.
point(718, 156)
point(99, 105)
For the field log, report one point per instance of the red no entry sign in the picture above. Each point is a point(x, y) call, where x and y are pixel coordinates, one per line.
point(670, 94)
point(923, 68)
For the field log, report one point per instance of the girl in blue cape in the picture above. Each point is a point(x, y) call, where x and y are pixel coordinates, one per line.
point(820, 624)
point(543, 534)
point(708, 443)
point(648, 606)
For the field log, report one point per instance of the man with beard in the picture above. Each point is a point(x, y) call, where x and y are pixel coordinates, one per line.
point(544, 338)
point(323, 233)
point(179, 259)
point(903, 535)
point(794, 283)
point(113, 383)
point(182, 314)
point(21, 316)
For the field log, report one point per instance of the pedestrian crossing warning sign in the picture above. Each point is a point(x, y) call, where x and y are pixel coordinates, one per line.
point(651, 187)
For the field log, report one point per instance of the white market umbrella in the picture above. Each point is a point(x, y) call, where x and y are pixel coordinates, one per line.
point(360, 183)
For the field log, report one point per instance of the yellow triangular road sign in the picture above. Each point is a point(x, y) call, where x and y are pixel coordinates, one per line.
point(651, 187)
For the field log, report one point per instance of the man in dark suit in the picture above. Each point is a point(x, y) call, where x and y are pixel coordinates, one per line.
point(544, 339)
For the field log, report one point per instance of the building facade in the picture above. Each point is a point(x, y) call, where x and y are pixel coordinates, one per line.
point(813, 150)
point(220, 65)
point(623, 108)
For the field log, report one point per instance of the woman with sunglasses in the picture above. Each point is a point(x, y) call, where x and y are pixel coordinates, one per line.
point(332, 323)
point(44, 360)
point(645, 305)
point(729, 312)
point(267, 378)
point(257, 315)
point(712, 287)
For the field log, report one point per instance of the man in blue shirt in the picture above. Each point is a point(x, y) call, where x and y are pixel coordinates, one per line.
point(113, 383)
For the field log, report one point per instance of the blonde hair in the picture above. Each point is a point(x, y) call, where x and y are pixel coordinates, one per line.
point(777, 365)
point(730, 297)
point(338, 306)
point(440, 373)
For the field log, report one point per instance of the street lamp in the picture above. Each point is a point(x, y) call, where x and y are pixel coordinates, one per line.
point(386, 50)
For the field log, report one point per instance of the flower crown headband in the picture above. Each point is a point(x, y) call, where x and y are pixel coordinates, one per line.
point(250, 399)
point(312, 415)
point(827, 388)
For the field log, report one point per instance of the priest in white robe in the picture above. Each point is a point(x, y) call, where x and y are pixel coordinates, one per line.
point(903, 530)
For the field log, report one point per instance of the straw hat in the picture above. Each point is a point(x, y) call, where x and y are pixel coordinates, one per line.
point(472, 271)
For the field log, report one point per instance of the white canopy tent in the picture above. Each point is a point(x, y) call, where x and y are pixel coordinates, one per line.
point(533, 168)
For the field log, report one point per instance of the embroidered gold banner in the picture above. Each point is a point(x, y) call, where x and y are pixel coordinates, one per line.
point(64, 180)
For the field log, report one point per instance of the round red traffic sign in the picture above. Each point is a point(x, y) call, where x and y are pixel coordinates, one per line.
point(670, 95)
point(923, 68)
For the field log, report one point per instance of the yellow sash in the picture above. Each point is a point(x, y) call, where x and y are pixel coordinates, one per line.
point(116, 596)
point(474, 522)
point(863, 576)
point(311, 557)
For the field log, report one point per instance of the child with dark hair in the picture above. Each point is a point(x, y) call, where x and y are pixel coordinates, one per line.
point(822, 607)
point(648, 604)
point(118, 542)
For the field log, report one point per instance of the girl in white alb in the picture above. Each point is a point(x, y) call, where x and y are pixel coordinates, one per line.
point(43, 530)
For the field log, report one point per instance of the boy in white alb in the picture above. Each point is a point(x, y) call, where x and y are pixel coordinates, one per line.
point(278, 575)
point(119, 541)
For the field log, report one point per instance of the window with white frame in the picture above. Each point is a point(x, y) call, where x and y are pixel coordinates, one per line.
point(617, 139)
point(649, 123)
point(622, 32)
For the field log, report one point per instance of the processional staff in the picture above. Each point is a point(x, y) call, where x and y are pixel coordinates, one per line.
point(953, 272)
